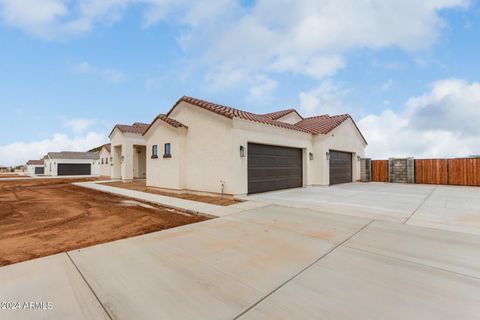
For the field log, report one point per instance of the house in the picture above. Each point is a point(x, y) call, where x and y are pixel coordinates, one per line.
point(35, 167)
point(4, 169)
point(203, 147)
point(128, 149)
point(106, 160)
point(71, 163)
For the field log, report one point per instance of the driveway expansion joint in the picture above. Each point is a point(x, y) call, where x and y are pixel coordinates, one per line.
point(303, 270)
point(89, 286)
point(420, 205)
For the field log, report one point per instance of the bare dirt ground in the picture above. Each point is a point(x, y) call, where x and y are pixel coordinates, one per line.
point(140, 185)
point(44, 217)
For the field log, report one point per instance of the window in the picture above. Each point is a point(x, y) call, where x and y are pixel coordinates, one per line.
point(102, 160)
point(106, 160)
point(154, 151)
point(167, 153)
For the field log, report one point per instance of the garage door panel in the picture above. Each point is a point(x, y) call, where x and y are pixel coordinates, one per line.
point(340, 167)
point(39, 170)
point(273, 168)
point(74, 169)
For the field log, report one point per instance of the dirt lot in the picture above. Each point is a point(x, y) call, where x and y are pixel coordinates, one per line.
point(48, 216)
point(140, 185)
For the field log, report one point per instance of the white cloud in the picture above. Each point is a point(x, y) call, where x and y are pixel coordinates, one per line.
point(79, 125)
point(20, 152)
point(440, 123)
point(34, 16)
point(108, 74)
point(324, 99)
point(262, 86)
point(308, 37)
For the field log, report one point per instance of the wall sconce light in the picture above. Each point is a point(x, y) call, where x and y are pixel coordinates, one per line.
point(358, 158)
point(242, 151)
point(328, 155)
point(122, 158)
point(310, 155)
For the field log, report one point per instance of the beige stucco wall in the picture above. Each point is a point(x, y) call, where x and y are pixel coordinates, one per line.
point(165, 172)
point(291, 118)
point(201, 154)
point(106, 167)
point(343, 138)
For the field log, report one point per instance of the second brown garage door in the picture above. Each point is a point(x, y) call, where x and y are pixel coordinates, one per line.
point(273, 168)
point(340, 167)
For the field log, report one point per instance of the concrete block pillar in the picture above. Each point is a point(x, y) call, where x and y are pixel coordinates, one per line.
point(410, 170)
point(391, 169)
point(366, 169)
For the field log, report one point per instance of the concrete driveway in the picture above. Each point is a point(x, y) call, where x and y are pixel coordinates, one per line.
point(272, 262)
point(441, 207)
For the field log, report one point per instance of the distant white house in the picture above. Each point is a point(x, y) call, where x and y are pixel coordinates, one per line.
point(35, 167)
point(4, 169)
point(70, 163)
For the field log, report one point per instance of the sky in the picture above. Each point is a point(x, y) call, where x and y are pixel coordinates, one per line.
point(407, 71)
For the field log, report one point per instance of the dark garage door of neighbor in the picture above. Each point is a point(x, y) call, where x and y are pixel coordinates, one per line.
point(39, 170)
point(273, 168)
point(340, 167)
point(74, 169)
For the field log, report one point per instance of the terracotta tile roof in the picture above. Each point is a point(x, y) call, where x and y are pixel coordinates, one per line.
point(174, 123)
point(108, 146)
point(35, 162)
point(136, 128)
point(279, 114)
point(322, 124)
point(231, 113)
point(74, 155)
point(314, 125)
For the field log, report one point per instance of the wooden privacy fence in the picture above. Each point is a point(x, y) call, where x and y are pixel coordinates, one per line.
point(380, 170)
point(431, 171)
point(461, 171)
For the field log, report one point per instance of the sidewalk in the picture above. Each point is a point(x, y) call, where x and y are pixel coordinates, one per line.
point(189, 206)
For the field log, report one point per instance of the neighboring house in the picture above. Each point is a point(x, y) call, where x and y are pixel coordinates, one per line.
point(204, 147)
point(35, 167)
point(4, 169)
point(106, 160)
point(70, 163)
point(128, 149)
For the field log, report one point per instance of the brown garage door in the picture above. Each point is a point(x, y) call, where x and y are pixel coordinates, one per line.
point(273, 168)
point(74, 169)
point(340, 167)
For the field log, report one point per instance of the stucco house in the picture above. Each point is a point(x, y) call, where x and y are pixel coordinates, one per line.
point(128, 149)
point(4, 169)
point(35, 167)
point(203, 147)
point(72, 163)
point(106, 160)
